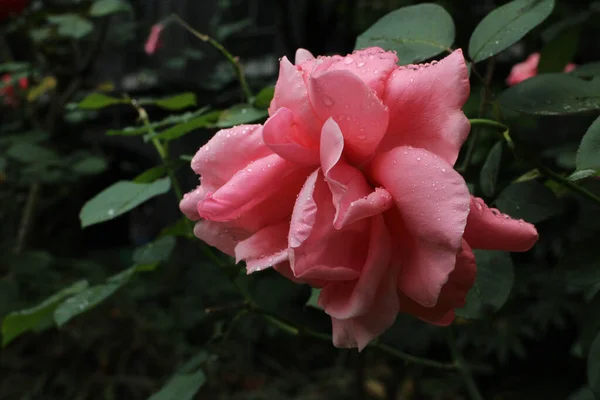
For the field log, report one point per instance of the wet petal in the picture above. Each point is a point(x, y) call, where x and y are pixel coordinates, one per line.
point(286, 138)
point(303, 55)
point(265, 248)
point(219, 235)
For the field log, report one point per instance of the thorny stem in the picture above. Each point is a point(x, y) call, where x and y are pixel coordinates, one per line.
point(464, 369)
point(235, 62)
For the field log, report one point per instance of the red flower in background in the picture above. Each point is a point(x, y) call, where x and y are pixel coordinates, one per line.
point(8, 92)
point(12, 7)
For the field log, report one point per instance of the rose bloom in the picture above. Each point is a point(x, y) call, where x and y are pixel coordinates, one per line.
point(528, 69)
point(12, 7)
point(349, 187)
point(8, 92)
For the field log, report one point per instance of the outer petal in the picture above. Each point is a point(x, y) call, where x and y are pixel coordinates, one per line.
point(219, 235)
point(303, 55)
point(291, 93)
point(524, 70)
point(361, 116)
point(425, 105)
point(433, 203)
point(265, 248)
point(489, 229)
point(317, 250)
point(353, 196)
point(344, 300)
point(228, 152)
point(286, 138)
point(249, 187)
point(359, 331)
point(190, 201)
point(453, 294)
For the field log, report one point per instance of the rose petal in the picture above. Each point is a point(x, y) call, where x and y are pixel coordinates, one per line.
point(189, 203)
point(524, 70)
point(433, 204)
point(265, 248)
point(359, 331)
point(344, 300)
point(317, 250)
point(287, 139)
point(350, 190)
point(489, 229)
point(219, 235)
point(425, 104)
point(291, 93)
point(361, 116)
point(453, 294)
point(229, 151)
point(303, 55)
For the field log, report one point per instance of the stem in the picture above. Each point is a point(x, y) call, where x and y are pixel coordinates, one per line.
point(489, 123)
point(566, 183)
point(235, 62)
point(27, 217)
point(465, 370)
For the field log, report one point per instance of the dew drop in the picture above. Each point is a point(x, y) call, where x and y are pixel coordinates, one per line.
point(348, 61)
point(360, 65)
point(328, 101)
point(111, 212)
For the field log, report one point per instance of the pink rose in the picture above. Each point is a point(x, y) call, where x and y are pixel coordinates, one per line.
point(153, 42)
point(349, 187)
point(528, 69)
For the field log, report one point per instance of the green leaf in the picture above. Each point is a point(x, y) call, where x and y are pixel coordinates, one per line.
point(178, 102)
point(416, 32)
point(240, 114)
point(588, 154)
point(581, 264)
point(91, 297)
point(30, 153)
point(120, 198)
point(490, 170)
point(180, 228)
point(531, 201)
point(559, 51)
point(93, 165)
point(154, 252)
point(589, 70)
point(12, 67)
point(179, 130)
point(151, 175)
point(71, 25)
point(264, 97)
point(181, 387)
point(495, 278)
point(552, 94)
point(96, 101)
point(583, 393)
point(171, 120)
point(593, 367)
point(36, 318)
point(584, 173)
point(2, 164)
point(507, 25)
point(101, 8)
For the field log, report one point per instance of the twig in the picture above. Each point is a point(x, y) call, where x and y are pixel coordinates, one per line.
point(235, 62)
point(27, 217)
point(464, 369)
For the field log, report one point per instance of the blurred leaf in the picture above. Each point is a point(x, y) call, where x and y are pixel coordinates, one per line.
point(171, 120)
point(151, 175)
point(119, 199)
point(581, 263)
point(91, 297)
point(12, 67)
point(240, 114)
point(490, 170)
point(559, 51)
point(531, 201)
point(154, 252)
point(589, 70)
point(530, 175)
point(71, 25)
point(552, 94)
point(416, 32)
point(583, 393)
point(314, 297)
point(95, 101)
point(264, 97)
point(584, 173)
point(2, 164)
point(495, 278)
point(29, 153)
point(101, 8)
point(92, 165)
point(178, 102)
point(588, 154)
point(506, 25)
point(179, 130)
point(223, 31)
point(180, 228)
point(181, 387)
point(593, 367)
point(38, 317)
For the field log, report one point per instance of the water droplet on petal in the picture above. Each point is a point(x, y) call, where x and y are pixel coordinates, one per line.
point(328, 101)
